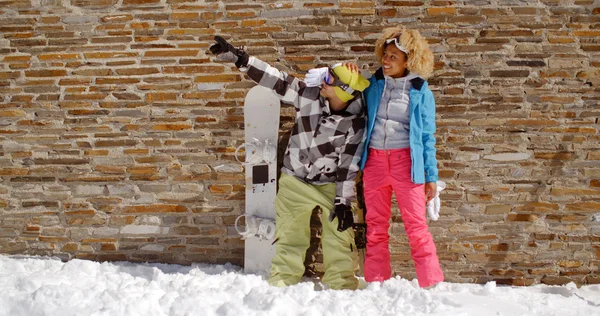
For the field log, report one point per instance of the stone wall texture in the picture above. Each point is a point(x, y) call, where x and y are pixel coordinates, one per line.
point(117, 129)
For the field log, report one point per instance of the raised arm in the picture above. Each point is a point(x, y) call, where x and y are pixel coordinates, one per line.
point(287, 87)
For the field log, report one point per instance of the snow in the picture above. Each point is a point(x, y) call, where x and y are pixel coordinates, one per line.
point(31, 286)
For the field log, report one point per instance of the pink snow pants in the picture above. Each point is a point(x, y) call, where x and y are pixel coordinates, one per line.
point(387, 171)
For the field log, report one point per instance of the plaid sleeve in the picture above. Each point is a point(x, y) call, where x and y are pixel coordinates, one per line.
point(348, 164)
point(287, 87)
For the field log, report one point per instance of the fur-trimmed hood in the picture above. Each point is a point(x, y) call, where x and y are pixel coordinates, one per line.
point(420, 57)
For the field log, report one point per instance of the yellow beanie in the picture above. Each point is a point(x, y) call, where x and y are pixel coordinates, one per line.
point(353, 80)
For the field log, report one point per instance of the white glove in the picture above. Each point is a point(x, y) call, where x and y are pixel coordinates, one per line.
point(433, 207)
point(316, 76)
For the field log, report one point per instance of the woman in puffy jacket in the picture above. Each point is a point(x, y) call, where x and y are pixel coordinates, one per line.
point(399, 153)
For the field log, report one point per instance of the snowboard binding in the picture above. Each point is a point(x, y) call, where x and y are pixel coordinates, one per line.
point(260, 152)
point(256, 227)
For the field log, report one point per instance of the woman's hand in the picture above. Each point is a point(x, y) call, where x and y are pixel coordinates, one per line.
point(352, 66)
point(430, 191)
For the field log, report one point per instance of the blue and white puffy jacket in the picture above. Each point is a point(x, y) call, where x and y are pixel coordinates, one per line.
point(422, 126)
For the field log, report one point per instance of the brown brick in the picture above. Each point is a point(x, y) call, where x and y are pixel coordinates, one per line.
point(220, 188)
point(153, 159)
point(202, 95)
point(556, 280)
point(92, 72)
point(86, 96)
point(561, 40)
point(171, 53)
point(70, 247)
point(95, 153)
point(159, 208)
point(500, 247)
point(241, 15)
point(53, 239)
point(508, 273)
point(589, 206)
point(573, 191)
point(140, 2)
point(538, 207)
point(74, 82)
point(506, 33)
point(58, 56)
point(136, 151)
point(193, 69)
point(112, 257)
point(102, 81)
point(10, 75)
point(153, 97)
point(105, 55)
point(16, 58)
point(171, 127)
point(86, 221)
point(516, 281)
point(88, 112)
point(93, 3)
point(46, 73)
point(509, 73)
point(217, 78)
point(136, 71)
point(554, 74)
point(52, 204)
point(556, 156)
point(142, 170)
point(12, 113)
point(185, 230)
point(522, 217)
point(532, 122)
point(108, 247)
point(94, 179)
point(441, 11)
point(116, 143)
point(594, 155)
point(565, 218)
point(508, 257)
point(61, 161)
point(184, 15)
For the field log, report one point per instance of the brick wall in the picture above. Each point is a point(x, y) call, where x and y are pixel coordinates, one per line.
point(118, 130)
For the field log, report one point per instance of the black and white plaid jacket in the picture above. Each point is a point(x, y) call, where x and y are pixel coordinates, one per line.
point(324, 147)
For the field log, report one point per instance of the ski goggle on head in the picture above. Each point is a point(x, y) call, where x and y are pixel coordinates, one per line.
point(396, 42)
point(333, 80)
point(347, 85)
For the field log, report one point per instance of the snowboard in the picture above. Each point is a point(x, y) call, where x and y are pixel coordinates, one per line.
point(261, 128)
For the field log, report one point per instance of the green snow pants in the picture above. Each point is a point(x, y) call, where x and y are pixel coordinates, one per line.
point(294, 204)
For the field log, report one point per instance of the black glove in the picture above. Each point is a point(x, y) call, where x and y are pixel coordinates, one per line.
point(344, 216)
point(236, 55)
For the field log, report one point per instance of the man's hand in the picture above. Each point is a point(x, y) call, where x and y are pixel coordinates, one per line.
point(430, 191)
point(222, 46)
point(227, 52)
point(316, 76)
point(344, 216)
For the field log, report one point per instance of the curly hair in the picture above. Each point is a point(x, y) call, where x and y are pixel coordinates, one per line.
point(420, 57)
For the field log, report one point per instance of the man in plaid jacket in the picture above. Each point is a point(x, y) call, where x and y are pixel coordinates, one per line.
point(319, 166)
